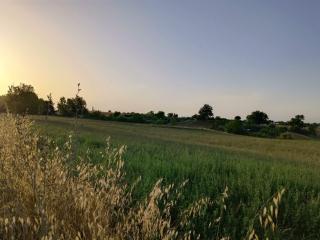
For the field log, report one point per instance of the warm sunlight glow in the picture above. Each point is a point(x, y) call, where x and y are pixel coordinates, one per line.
point(2, 77)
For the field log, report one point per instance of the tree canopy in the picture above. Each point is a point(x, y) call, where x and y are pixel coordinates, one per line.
point(297, 123)
point(205, 112)
point(22, 99)
point(76, 106)
point(258, 117)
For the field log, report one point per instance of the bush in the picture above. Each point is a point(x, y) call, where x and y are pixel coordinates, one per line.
point(271, 131)
point(235, 126)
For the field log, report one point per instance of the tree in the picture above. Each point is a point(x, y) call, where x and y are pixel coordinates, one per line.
point(172, 115)
point(116, 114)
point(72, 106)
point(50, 105)
point(160, 115)
point(238, 118)
point(63, 107)
point(205, 112)
point(46, 107)
point(297, 123)
point(78, 106)
point(258, 117)
point(22, 99)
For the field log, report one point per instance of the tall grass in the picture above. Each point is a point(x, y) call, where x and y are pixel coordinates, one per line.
point(252, 168)
point(46, 194)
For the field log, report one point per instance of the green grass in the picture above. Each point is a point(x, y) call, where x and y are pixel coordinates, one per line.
point(252, 168)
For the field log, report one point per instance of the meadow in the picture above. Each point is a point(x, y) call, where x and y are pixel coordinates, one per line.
point(253, 169)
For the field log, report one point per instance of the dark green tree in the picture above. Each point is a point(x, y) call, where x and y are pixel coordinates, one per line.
point(205, 112)
point(63, 107)
point(22, 99)
point(258, 117)
point(116, 114)
point(312, 128)
point(235, 126)
point(172, 115)
point(72, 106)
point(160, 115)
point(297, 123)
point(46, 107)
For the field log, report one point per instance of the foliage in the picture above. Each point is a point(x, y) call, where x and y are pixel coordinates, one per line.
point(312, 128)
point(46, 107)
point(235, 127)
point(205, 112)
point(297, 123)
point(72, 106)
point(270, 131)
point(173, 116)
point(22, 99)
point(160, 115)
point(258, 117)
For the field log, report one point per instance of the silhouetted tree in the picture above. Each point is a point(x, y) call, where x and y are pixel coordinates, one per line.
point(238, 118)
point(22, 99)
point(160, 115)
point(172, 115)
point(195, 116)
point(63, 107)
point(78, 106)
point(72, 106)
point(46, 107)
point(116, 114)
point(297, 123)
point(205, 112)
point(258, 117)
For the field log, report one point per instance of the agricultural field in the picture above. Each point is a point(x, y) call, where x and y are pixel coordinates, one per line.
point(253, 169)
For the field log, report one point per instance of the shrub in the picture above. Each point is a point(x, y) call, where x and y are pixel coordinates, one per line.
point(235, 126)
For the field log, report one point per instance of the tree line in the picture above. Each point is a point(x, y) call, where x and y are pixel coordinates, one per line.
point(22, 99)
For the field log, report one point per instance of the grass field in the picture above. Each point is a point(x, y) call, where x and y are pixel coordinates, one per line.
point(252, 168)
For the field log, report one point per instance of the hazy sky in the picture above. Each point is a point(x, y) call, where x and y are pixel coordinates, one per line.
point(169, 55)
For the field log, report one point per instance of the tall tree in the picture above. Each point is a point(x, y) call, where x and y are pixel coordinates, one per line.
point(205, 112)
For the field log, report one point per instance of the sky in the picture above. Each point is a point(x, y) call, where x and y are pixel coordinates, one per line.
point(175, 56)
